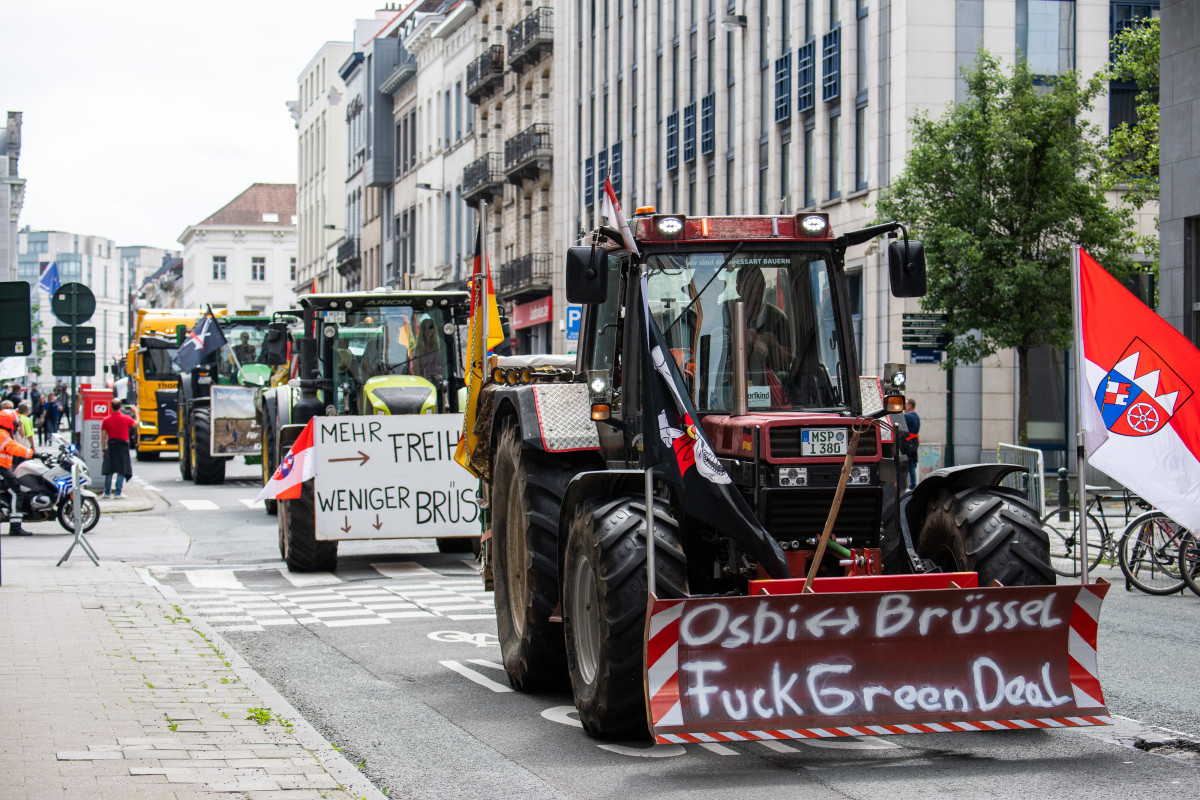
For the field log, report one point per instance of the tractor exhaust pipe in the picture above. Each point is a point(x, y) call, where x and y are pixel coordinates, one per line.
point(741, 401)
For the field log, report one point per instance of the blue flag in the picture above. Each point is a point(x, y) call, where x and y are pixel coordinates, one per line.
point(50, 280)
point(205, 337)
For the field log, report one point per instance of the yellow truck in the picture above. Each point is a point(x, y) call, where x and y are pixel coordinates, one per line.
point(154, 378)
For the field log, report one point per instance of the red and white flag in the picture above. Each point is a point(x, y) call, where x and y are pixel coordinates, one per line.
point(297, 466)
point(610, 209)
point(1137, 382)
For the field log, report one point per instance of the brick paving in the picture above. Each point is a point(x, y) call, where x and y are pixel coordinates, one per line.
point(109, 690)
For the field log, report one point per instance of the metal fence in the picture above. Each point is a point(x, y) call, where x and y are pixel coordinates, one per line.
point(1032, 483)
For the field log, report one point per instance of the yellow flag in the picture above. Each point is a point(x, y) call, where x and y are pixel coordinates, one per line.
point(484, 323)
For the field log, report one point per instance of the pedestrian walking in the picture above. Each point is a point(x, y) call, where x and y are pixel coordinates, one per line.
point(911, 439)
point(10, 448)
point(51, 413)
point(116, 429)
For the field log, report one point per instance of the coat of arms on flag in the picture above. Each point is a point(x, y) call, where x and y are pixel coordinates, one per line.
point(1141, 393)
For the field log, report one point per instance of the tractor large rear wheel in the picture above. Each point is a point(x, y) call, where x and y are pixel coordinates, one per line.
point(527, 492)
point(988, 530)
point(206, 469)
point(298, 535)
point(604, 607)
point(270, 459)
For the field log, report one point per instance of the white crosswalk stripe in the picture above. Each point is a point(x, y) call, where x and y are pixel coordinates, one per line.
point(404, 591)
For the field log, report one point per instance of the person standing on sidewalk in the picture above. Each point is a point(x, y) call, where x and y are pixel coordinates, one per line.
point(911, 440)
point(116, 429)
point(24, 432)
point(51, 411)
point(10, 448)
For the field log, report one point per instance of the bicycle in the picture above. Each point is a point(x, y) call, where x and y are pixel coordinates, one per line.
point(1149, 553)
point(1062, 526)
point(1189, 562)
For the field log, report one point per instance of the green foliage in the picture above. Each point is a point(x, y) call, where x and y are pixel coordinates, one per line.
point(1133, 150)
point(999, 188)
point(260, 715)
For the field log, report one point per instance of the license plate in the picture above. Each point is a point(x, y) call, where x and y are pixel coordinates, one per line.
point(823, 441)
point(336, 316)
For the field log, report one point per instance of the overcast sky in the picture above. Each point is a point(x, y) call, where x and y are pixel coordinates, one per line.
point(141, 118)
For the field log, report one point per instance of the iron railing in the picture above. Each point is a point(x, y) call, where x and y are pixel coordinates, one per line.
point(530, 271)
point(348, 250)
point(527, 37)
point(485, 72)
point(529, 144)
point(481, 175)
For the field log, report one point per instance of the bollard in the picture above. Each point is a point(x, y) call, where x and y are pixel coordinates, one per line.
point(1064, 495)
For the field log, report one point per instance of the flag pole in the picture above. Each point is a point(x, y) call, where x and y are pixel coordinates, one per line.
point(484, 277)
point(1081, 449)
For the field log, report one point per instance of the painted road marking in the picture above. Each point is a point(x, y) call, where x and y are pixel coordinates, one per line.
point(213, 578)
point(199, 505)
point(300, 579)
point(248, 502)
point(475, 677)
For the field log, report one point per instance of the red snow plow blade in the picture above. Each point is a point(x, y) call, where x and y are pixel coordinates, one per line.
point(873, 655)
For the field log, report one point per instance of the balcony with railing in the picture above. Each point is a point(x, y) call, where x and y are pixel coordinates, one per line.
point(485, 74)
point(483, 178)
point(530, 274)
point(530, 37)
point(527, 153)
point(349, 256)
point(404, 72)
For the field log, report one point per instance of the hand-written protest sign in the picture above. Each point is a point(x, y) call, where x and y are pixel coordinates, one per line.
point(389, 477)
point(795, 663)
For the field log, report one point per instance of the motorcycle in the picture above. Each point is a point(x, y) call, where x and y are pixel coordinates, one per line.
point(45, 482)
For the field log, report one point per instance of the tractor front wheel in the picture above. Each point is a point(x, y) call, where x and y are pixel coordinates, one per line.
point(604, 607)
point(988, 530)
point(207, 469)
point(298, 542)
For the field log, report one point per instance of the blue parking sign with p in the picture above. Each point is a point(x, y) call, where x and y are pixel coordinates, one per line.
point(574, 315)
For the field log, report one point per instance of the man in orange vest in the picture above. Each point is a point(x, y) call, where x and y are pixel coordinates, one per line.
point(10, 447)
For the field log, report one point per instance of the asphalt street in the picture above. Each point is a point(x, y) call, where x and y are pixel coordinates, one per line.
point(393, 658)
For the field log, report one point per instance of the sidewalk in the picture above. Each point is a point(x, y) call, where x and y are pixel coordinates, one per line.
point(108, 691)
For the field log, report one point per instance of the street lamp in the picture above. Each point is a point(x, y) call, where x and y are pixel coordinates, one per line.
point(429, 188)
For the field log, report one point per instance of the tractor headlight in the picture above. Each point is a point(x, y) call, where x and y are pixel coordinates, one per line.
point(793, 476)
point(859, 475)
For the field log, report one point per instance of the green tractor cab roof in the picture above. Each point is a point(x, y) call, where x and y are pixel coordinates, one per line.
point(387, 297)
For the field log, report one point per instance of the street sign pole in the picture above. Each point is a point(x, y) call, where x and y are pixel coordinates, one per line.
point(74, 395)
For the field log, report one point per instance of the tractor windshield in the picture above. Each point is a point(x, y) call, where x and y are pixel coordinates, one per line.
point(243, 343)
point(392, 340)
point(793, 344)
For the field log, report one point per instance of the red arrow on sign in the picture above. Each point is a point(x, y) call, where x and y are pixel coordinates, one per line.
point(361, 458)
point(378, 523)
point(346, 527)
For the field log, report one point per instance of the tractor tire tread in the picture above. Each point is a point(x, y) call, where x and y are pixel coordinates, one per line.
point(209, 471)
point(304, 552)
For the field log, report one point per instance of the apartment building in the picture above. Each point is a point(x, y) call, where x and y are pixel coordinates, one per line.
point(12, 194)
point(777, 106)
point(319, 113)
point(243, 256)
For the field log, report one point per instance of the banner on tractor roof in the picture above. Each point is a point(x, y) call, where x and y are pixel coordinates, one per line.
point(297, 466)
point(205, 337)
point(1138, 378)
point(871, 661)
point(677, 449)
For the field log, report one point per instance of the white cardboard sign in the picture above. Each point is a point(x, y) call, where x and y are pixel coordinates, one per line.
point(392, 477)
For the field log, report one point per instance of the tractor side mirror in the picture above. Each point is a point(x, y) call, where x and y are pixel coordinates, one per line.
point(275, 345)
point(906, 267)
point(587, 275)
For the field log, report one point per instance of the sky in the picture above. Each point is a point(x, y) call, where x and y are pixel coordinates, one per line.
point(141, 118)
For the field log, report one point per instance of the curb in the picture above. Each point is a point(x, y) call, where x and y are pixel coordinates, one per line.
point(345, 773)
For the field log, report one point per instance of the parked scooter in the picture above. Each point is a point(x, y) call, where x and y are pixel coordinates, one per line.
point(45, 495)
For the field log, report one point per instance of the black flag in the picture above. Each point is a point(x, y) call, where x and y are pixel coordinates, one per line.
point(675, 445)
point(205, 337)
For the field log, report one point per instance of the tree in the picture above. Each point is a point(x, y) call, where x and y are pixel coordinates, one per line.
point(999, 188)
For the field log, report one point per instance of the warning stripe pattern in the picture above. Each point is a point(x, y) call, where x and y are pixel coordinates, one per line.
point(883, 730)
point(666, 710)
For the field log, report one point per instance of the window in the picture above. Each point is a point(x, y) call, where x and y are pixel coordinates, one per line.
point(292, 268)
point(589, 182)
point(458, 111)
point(805, 77)
point(258, 268)
point(708, 113)
point(1046, 35)
point(614, 168)
point(673, 140)
point(835, 156)
point(1122, 97)
point(831, 65)
point(764, 188)
point(861, 144)
point(783, 87)
point(785, 172)
point(601, 171)
point(810, 163)
point(218, 265)
point(854, 289)
point(689, 133)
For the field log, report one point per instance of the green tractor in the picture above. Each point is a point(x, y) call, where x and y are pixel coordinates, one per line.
point(217, 422)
